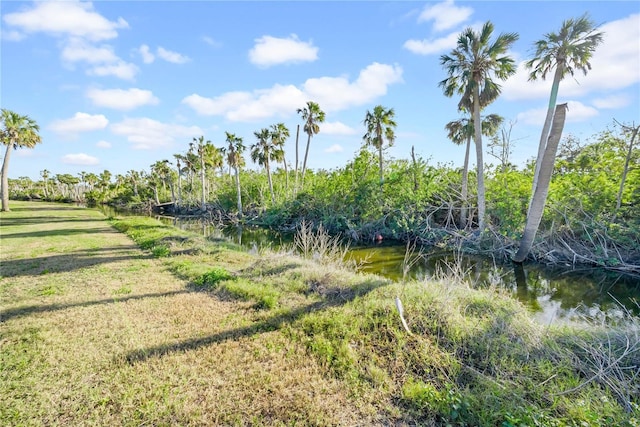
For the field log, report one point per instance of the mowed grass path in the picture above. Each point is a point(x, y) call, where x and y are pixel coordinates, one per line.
point(79, 298)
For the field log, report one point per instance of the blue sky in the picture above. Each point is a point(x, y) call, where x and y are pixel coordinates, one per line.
point(119, 85)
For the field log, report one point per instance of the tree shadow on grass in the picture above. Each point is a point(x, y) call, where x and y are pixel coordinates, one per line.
point(31, 309)
point(52, 233)
point(9, 222)
point(271, 324)
point(68, 262)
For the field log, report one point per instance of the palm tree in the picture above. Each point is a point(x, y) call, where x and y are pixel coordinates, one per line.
point(380, 126)
point(17, 131)
point(162, 172)
point(45, 174)
point(209, 156)
point(262, 153)
point(179, 158)
point(312, 116)
point(234, 158)
point(471, 67)
point(279, 135)
point(461, 131)
point(539, 200)
point(567, 51)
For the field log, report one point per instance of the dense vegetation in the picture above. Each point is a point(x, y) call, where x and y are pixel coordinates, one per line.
point(418, 200)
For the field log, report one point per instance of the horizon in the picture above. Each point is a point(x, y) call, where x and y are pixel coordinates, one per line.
point(120, 85)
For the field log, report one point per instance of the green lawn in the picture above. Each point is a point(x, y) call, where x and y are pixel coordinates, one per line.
point(126, 321)
point(81, 303)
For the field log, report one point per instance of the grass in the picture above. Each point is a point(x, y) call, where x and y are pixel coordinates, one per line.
point(177, 329)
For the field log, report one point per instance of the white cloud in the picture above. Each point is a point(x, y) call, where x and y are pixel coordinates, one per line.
point(612, 101)
point(120, 99)
point(80, 159)
point(12, 36)
point(615, 65)
point(335, 148)
point(332, 93)
point(77, 50)
point(445, 15)
point(429, 46)
point(65, 18)
point(337, 93)
point(147, 56)
point(80, 122)
point(170, 56)
point(103, 144)
point(270, 51)
point(122, 70)
point(211, 42)
point(337, 128)
point(576, 112)
point(149, 134)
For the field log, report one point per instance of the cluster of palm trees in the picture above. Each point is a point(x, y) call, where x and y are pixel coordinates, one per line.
point(472, 67)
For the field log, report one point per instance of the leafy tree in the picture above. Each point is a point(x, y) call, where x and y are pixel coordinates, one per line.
point(634, 132)
point(461, 131)
point(45, 174)
point(312, 116)
point(471, 66)
point(279, 135)
point(567, 51)
point(17, 131)
point(234, 157)
point(262, 152)
point(380, 125)
point(161, 173)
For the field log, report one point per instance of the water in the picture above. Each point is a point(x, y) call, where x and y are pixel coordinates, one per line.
point(553, 295)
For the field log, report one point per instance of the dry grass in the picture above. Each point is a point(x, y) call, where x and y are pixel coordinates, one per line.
point(96, 332)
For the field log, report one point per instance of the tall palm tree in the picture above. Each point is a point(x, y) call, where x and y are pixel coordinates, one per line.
point(279, 135)
point(262, 153)
point(17, 131)
point(461, 131)
point(45, 174)
point(234, 157)
point(312, 116)
point(567, 51)
point(471, 67)
point(542, 189)
point(209, 157)
point(380, 125)
point(179, 158)
point(162, 172)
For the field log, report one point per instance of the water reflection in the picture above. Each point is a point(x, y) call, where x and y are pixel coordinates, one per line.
point(552, 294)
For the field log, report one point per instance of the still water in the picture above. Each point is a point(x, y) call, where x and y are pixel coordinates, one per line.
point(554, 295)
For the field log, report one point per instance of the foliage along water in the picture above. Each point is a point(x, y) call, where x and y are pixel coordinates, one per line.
point(553, 294)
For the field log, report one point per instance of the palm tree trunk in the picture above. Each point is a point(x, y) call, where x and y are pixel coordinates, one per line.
point(380, 163)
point(553, 98)
point(5, 178)
point(626, 168)
point(273, 197)
point(238, 191)
point(203, 206)
point(297, 137)
point(415, 170)
point(286, 175)
point(465, 185)
point(540, 196)
point(477, 125)
point(306, 154)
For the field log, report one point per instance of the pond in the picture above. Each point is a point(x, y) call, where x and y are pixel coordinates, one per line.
point(553, 294)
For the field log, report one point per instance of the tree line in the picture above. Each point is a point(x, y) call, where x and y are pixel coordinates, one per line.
point(473, 70)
